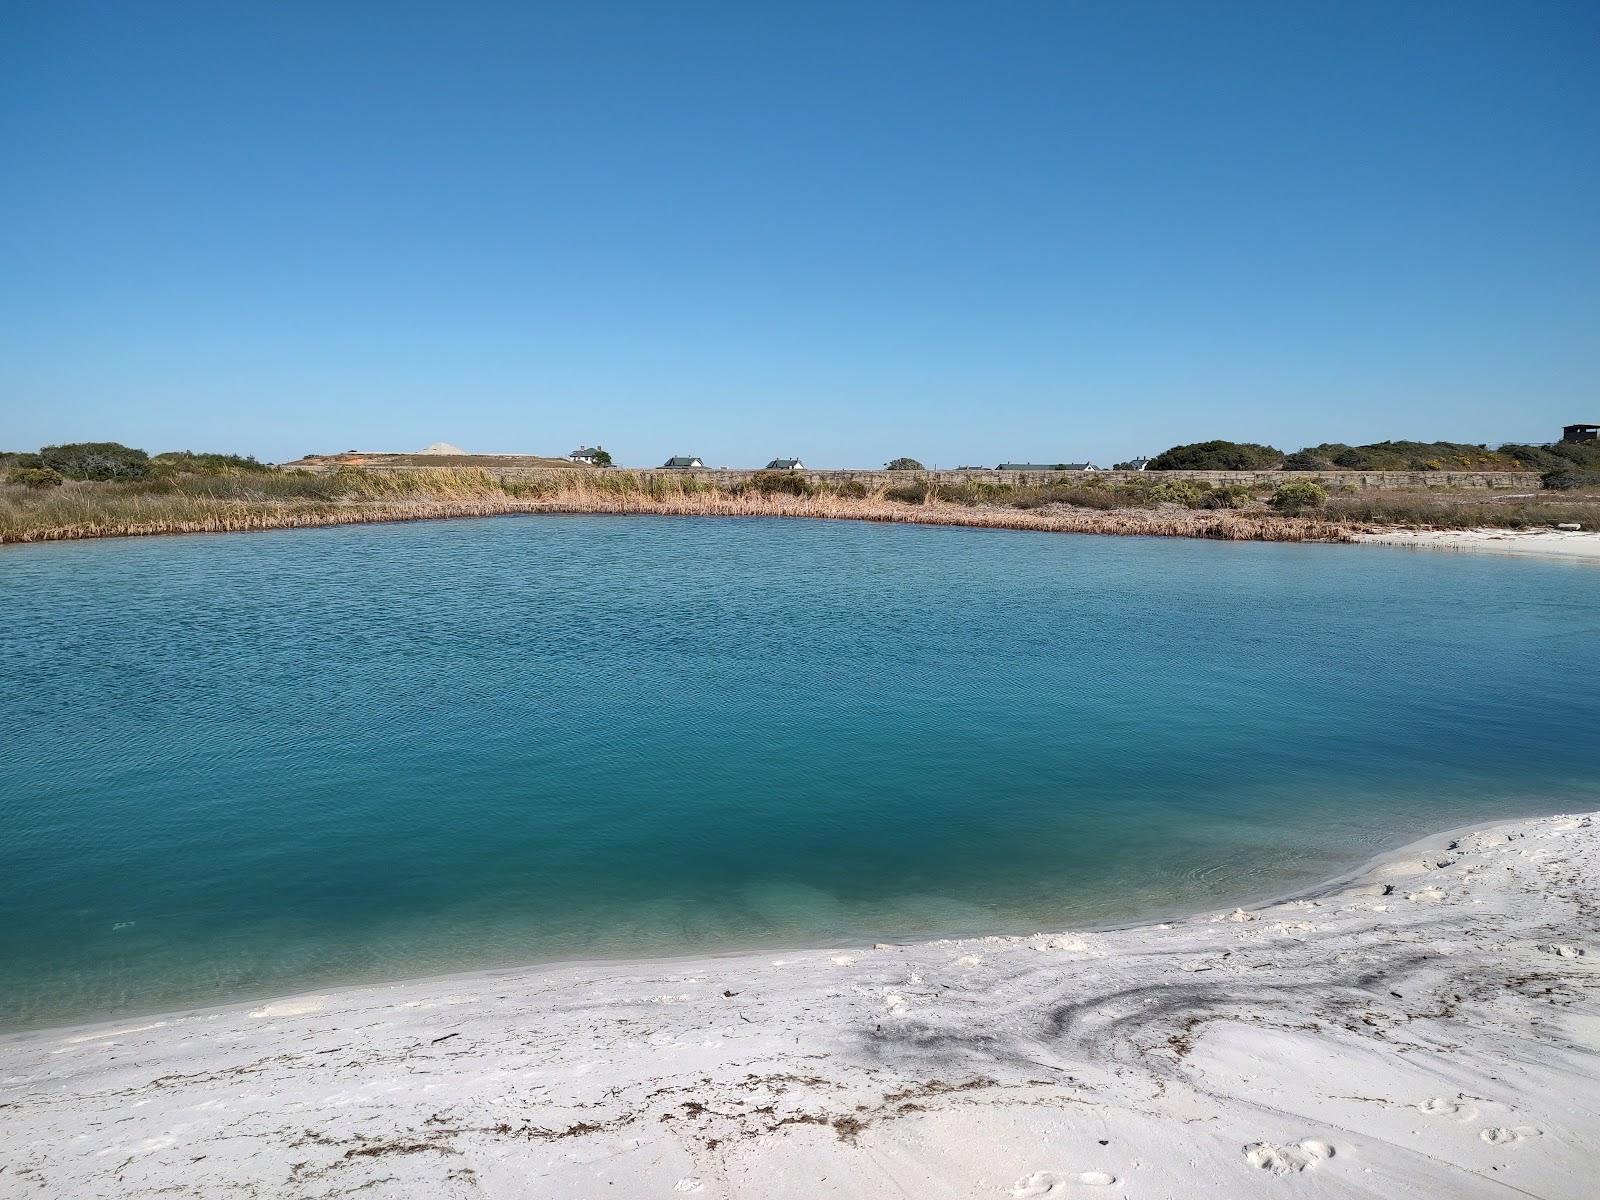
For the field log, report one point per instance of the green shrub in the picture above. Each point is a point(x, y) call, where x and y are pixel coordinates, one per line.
point(1233, 495)
point(1563, 456)
point(34, 477)
point(907, 493)
point(970, 492)
point(96, 460)
point(1307, 460)
point(904, 464)
point(189, 463)
point(1571, 480)
point(1178, 491)
point(1090, 497)
point(1403, 456)
point(1030, 498)
point(1298, 496)
point(1218, 456)
point(780, 483)
point(851, 489)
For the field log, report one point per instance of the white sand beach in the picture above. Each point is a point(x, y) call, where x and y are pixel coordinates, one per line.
point(1427, 1027)
point(1551, 543)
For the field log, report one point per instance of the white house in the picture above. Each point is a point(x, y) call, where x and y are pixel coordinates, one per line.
point(682, 462)
point(785, 464)
point(586, 454)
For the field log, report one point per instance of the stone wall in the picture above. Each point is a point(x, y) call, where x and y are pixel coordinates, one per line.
point(1527, 481)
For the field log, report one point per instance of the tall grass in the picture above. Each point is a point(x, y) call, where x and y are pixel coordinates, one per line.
point(184, 503)
point(230, 501)
point(275, 500)
point(1410, 511)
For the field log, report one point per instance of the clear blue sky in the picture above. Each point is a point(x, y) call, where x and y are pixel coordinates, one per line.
point(963, 232)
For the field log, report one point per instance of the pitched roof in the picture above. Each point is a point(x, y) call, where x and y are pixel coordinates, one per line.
point(682, 460)
point(783, 464)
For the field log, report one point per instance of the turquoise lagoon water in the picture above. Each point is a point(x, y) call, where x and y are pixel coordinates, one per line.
point(242, 765)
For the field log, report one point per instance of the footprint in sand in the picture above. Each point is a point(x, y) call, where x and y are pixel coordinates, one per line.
point(1237, 917)
point(1561, 950)
point(1501, 1135)
point(1439, 1106)
point(302, 1007)
point(1287, 1160)
point(1040, 1183)
point(1055, 1183)
point(1429, 895)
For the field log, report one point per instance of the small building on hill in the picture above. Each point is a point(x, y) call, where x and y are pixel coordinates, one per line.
point(1135, 464)
point(1580, 433)
point(682, 462)
point(589, 455)
point(1083, 466)
point(785, 464)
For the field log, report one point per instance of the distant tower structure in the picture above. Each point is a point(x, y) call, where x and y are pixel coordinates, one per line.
point(1580, 433)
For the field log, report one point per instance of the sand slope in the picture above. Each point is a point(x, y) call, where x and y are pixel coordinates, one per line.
point(1428, 1028)
point(1544, 543)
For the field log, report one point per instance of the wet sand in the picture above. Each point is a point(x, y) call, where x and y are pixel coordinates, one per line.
point(1427, 1027)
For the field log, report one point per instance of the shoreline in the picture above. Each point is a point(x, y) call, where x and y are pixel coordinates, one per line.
point(1204, 524)
point(1211, 524)
point(1571, 545)
point(1250, 902)
point(1403, 1029)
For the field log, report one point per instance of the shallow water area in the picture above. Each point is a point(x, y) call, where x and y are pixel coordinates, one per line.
point(244, 765)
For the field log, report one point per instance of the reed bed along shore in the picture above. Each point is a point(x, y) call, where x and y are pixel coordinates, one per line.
point(287, 501)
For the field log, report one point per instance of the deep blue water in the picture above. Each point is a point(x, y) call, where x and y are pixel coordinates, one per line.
point(242, 765)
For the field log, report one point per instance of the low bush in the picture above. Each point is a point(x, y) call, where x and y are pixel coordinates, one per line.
point(1097, 498)
point(780, 483)
point(1233, 495)
point(1562, 456)
point(1307, 460)
point(95, 460)
point(1218, 456)
point(34, 477)
point(1186, 492)
point(187, 462)
point(1571, 480)
point(1298, 496)
point(907, 493)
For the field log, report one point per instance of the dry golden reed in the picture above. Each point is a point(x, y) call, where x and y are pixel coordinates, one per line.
point(287, 500)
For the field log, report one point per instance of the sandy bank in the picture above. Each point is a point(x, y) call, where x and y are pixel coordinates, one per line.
point(1429, 1027)
point(1580, 544)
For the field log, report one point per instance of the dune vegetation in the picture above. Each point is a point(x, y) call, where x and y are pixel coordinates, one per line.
point(246, 500)
point(105, 490)
point(1564, 464)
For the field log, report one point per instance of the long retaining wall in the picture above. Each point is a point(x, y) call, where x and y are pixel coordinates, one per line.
point(1527, 481)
